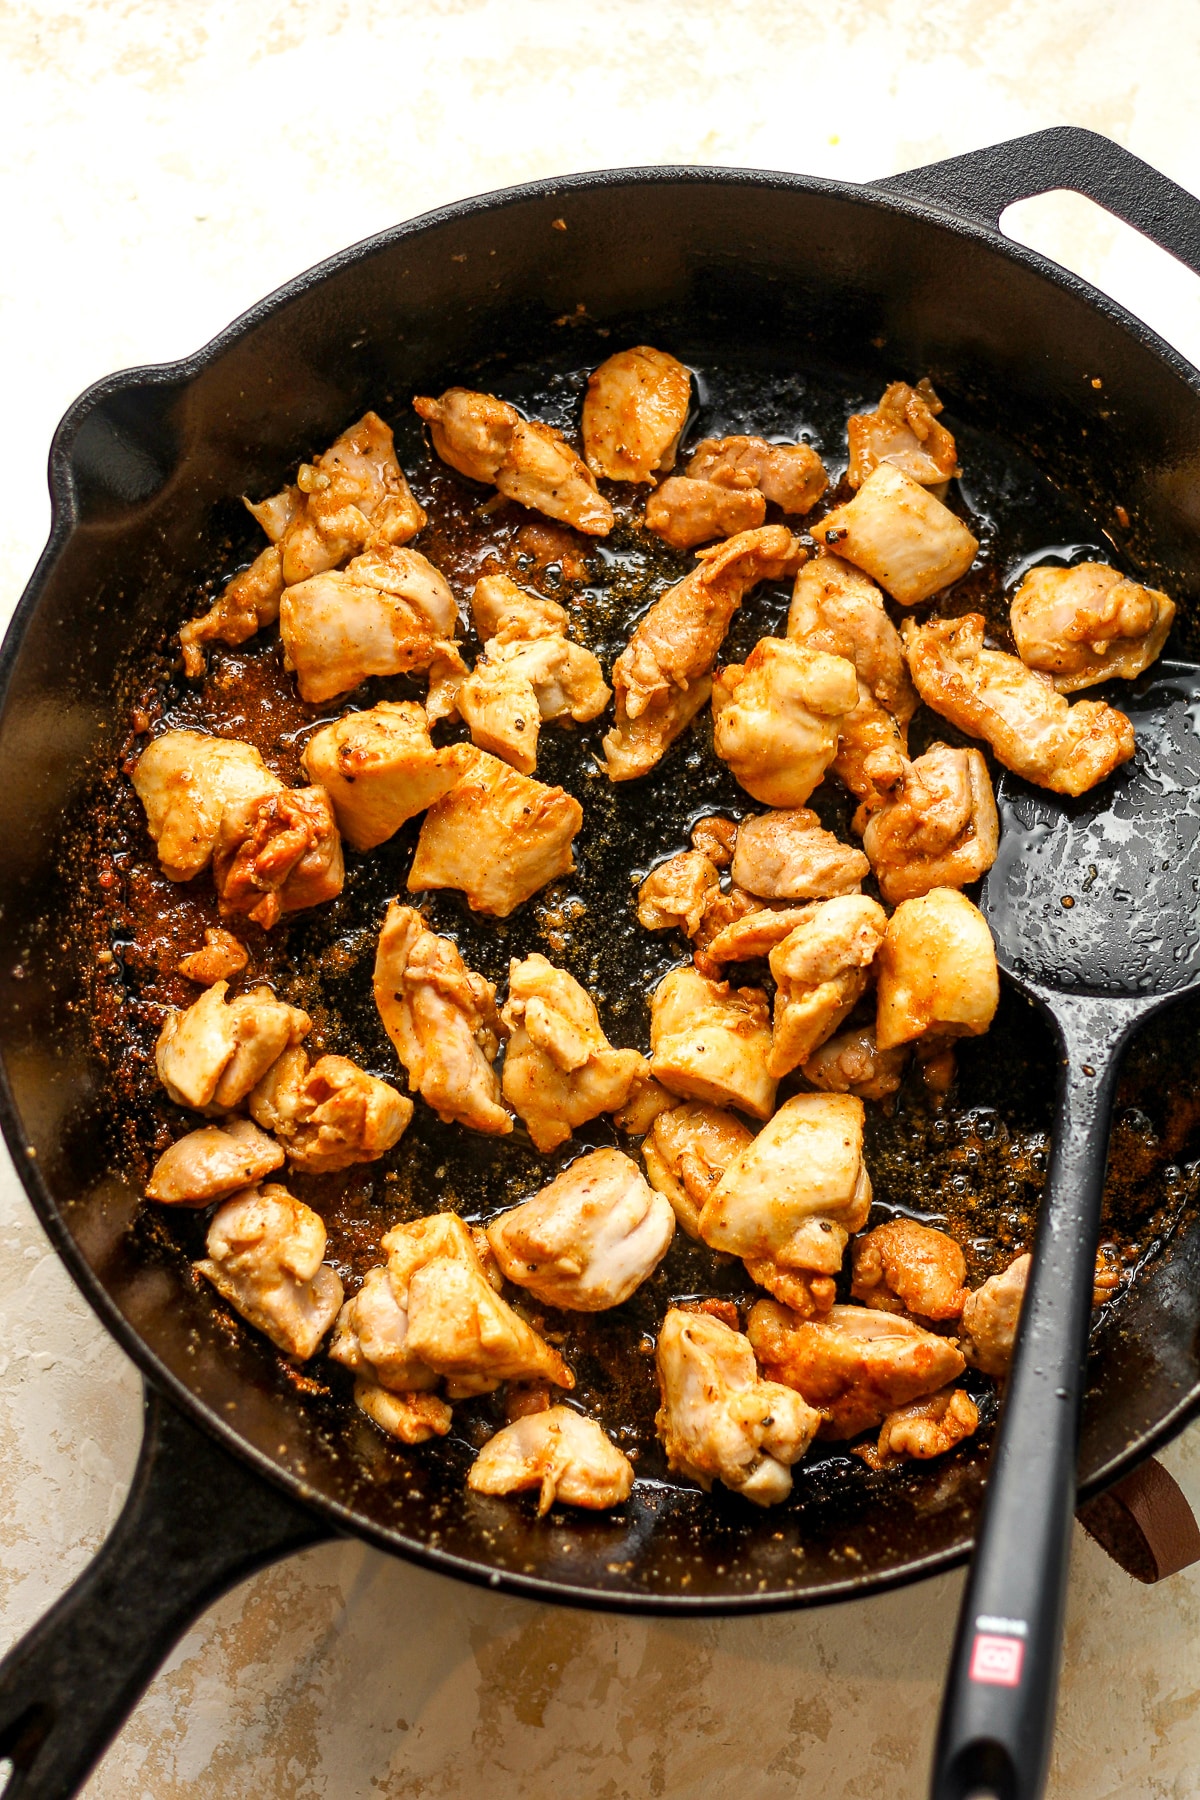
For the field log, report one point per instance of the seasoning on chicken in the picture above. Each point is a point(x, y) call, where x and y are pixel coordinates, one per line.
point(372, 1329)
point(675, 893)
point(330, 1115)
point(788, 855)
point(442, 1020)
point(460, 1326)
point(560, 1069)
point(589, 1239)
point(751, 937)
point(409, 1418)
point(380, 769)
point(518, 683)
point(265, 1257)
point(936, 971)
point(778, 715)
point(821, 970)
point(794, 1195)
point(187, 782)
point(856, 1366)
point(1088, 624)
point(278, 854)
point(684, 512)
point(990, 1317)
point(497, 835)
point(211, 1055)
point(388, 612)
point(901, 535)
point(488, 440)
point(709, 1041)
point(647, 1099)
point(1032, 728)
point(805, 1294)
point(634, 411)
point(924, 1428)
point(686, 1153)
point(565, 1456)
point(939, 827)
point(500, 609)
point(790, 476)
point(247, 603)
point(719, 1421)
point(212, 1163)
point(904, 431)
point(714, 837)
point(661, 677)
point(853, 1063)
point(904, 1267)
point(220, 960)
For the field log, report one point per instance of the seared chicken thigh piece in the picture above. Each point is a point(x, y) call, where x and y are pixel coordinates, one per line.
point(220, 960)
point(821, 970)
point(410, 1418)
point(714, 837)
point(904, 1267)
point(278, 854)
point(853, 1063)
point(1088, 623)
point(380, 769)
point(990, 1317)
point(684, 513)
point(329, 1115)
point(939, 828)
point(497, 835)
point(559, 1069)
point(661, 677)
point(564, 1455)
point(442, 1020)
point(1032, 728)
point(634, 410)
point(904, 431)
point(902, 536)
point(500, 609)
point(936, 971)
point(686, 1153)
point(212, 1163)
point(389, 612)
point(719, 1421)
point(778, 715)
point(711, 1042)
point(790, 476)
point(788, 855)
point(751, 937)
point(187, 782)
point(245, 605)
point(675, 893)
point(647, 1098)
point(856, 1366)
point(488, 440)
point(516, 684)
point(925, 1428)
point(372, 1329)
point(460, 1326)
point(210, 1056)
point(265, 1251)
point(590, 1237)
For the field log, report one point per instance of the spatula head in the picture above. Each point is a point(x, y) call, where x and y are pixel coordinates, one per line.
point(1101, 895)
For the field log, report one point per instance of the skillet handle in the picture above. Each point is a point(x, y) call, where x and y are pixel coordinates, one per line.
point(196, 1522)
point(983, 182)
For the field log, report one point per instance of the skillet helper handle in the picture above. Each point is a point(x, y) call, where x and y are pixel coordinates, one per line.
point(983, 183)
point(196, 1521)
point(997, 1721)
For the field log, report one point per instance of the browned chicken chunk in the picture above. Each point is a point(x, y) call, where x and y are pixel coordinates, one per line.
point(459, 1325)
point(751, 937)
point(904, 431)
point(686, 1153)
point(380, 769)
point(500, 609)
point(634, 410)
point(515, 685)
point(245, 605)
point(372, 1329)
point(389, 612)
point(777, 718)
point(409, 1418)
point(647, 1098)
point(565, 1456)
point(488, 440)
point(853, 1063)
point(330, 1115)
point(265, 1257)
point(497, 835)
point(900, 535)
point(715, 837)
point(675, 893)
point(788, 855)
point(187, 782)
point(1088, 623)
point(711, 1042)
point(210, 1056)
point(925, 1428)
point(939, 828)
point(212, 1163)
point(904, 1267)
point(559, 1069)
point(684, 512)
point(278, 854)
point(220, 960)
point(821, 970)
point(990, 1317)
point(936, 971)
point(790, 476)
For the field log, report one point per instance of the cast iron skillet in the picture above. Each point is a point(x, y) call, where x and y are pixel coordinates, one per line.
point(236, 1469)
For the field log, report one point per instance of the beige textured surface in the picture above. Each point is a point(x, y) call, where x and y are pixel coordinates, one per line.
point(162, 165)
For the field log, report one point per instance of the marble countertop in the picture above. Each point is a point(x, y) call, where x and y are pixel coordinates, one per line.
point(163, 166)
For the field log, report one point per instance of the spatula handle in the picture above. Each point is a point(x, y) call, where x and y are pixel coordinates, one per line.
point(998, 1712)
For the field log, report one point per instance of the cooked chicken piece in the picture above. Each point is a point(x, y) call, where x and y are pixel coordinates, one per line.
point(790, 856)
point(447, 672)
point(936, 971)
point(904, 431)
point(752, 937)
point(718, 1420)
point(1110, 1274)
point(245, 605)
point(675, 893)
point(389, 612)
point(723, 908)
point(220, 960)
point(990, 1317)
point(187, 781)
point(634, 411)
point(939, 828)
point(661, 676)
point(821, 970)
point(777, 717)
point(500, 609)
point(806, 1296)
point(683, 512)
point(559, 1452)
point(790, 476)
point(488, 440)
point(590, 1237)
point(210, 1056)
point(559, 1069)
point(330, 1115)
point(442, 1019)
point(709, 1041)
point(516, 684)
point(410, 1418)
point(212, 1163)
point(265, 1251)
point(903, 1267)
point(380, 769)
point(1032, 728)
point(372, 1334)
point(715, 837)
point(460, 1326)
point(902, 536)
point(278, 854)
point(794, 1195)
point(409, 1247)
point(853, 1063)
point(647, 1099)
point(924, 1428)
point(497, 835)
point(855, 1365)
point(687, 1152)
point(1088, 624)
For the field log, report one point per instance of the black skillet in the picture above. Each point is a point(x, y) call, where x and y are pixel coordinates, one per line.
point(236, 1468)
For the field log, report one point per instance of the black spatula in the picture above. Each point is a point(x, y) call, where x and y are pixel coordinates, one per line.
point(1095, 908)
